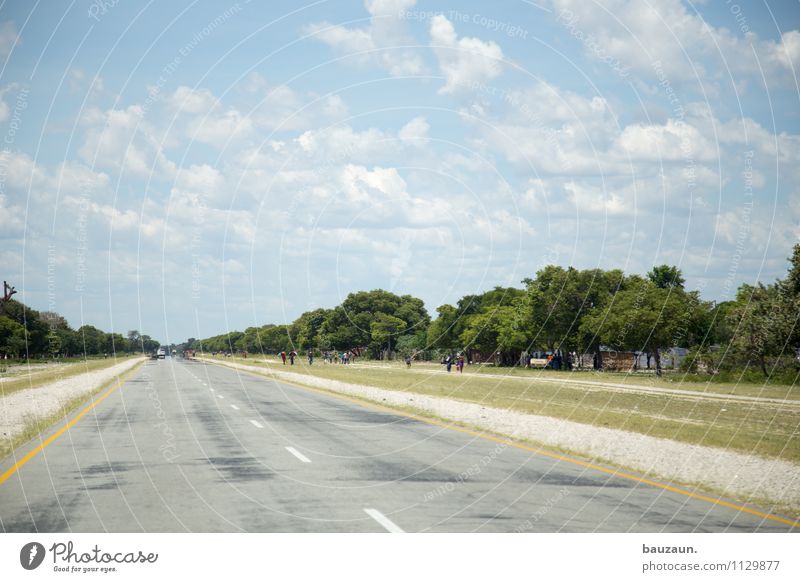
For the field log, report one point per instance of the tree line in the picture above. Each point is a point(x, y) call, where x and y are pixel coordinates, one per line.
point(27, 333)
point(559, 310)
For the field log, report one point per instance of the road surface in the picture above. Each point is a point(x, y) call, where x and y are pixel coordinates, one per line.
point(188, 446)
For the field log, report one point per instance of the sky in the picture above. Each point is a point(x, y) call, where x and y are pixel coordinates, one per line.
point(189, 168)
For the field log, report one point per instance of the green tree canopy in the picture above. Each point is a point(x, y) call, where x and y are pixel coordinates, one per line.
point(666, 276)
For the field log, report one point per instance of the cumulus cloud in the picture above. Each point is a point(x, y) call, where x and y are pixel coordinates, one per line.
point(121, 140)
point(415, 131)
point(466, 61)
point(378, 43)
point(685, 46)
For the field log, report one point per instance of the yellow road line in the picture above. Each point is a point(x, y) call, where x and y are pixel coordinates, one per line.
point(24, 460)
point(506, 441)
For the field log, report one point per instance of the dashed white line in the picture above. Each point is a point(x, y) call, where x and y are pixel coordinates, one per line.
point(298, 454)
point(211, 389)
point(234, 407)
point(387, 523)
point(256, 424)
point(220, 396)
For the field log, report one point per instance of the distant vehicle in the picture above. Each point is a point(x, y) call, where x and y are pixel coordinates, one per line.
point(162, 353)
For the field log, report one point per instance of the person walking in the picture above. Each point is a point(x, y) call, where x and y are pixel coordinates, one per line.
point(310, 357)
point(460, 364)
point(292, 356)
point(408, 361)
point(448, 362)
point(283, 357)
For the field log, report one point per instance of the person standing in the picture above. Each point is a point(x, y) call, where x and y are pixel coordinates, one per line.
point(408, 361)
point(292, 355)
point(460, 364)
point(448, 362)
point(310, 357)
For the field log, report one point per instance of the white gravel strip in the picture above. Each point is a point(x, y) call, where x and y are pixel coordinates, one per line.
point(19, 409)
point(735, 474)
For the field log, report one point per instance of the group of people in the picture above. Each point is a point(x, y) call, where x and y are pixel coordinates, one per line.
point(328, 356)
point(558, 362)
point(451, 359)
point(336, 357)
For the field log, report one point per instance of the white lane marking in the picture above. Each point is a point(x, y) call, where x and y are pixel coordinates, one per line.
point(234, 407)
point(387, 523)
point(220, 396)
point(256, 424)
point(298, 454)
point(211, 389)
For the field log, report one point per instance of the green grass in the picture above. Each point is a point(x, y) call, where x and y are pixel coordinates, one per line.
point(752, 428)
point(25, 377)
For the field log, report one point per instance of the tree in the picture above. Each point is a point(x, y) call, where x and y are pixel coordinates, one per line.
point(92, 340)
point(443, 331)
point(350, 324)
point(134, 341)
point(36, 329)
point(642, 317)
point(12, 337)
point(666, 276)
point(53, 343)
point(496, 329)
point(792, 281)
point(113, 343)
point(556, 301)
point(306, 329)
point(760, 323)
point(149, 344)
point(385, 327)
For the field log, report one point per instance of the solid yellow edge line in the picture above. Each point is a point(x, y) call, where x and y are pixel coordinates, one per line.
point(39, 448)
point(517, 445)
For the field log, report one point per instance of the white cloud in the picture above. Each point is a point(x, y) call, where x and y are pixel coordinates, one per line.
point(376, 42)
point(670, 142)
point(639, 34)
point(193, 101)
point(5, 110)
point(221, 129)
point(379, 187)
point(415, 131)
point(787, 52)
point(8, 37)
point(465, 62)
point(121, 140)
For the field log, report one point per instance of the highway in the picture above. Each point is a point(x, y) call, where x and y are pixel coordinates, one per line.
point(183, 445)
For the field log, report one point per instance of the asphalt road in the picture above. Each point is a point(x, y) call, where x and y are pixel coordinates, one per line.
point(188, 446)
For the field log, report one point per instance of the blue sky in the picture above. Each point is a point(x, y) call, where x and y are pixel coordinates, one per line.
point(188, 168)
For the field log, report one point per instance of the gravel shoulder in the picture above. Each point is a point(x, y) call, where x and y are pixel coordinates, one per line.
point(733, 474)
point(19, 410)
